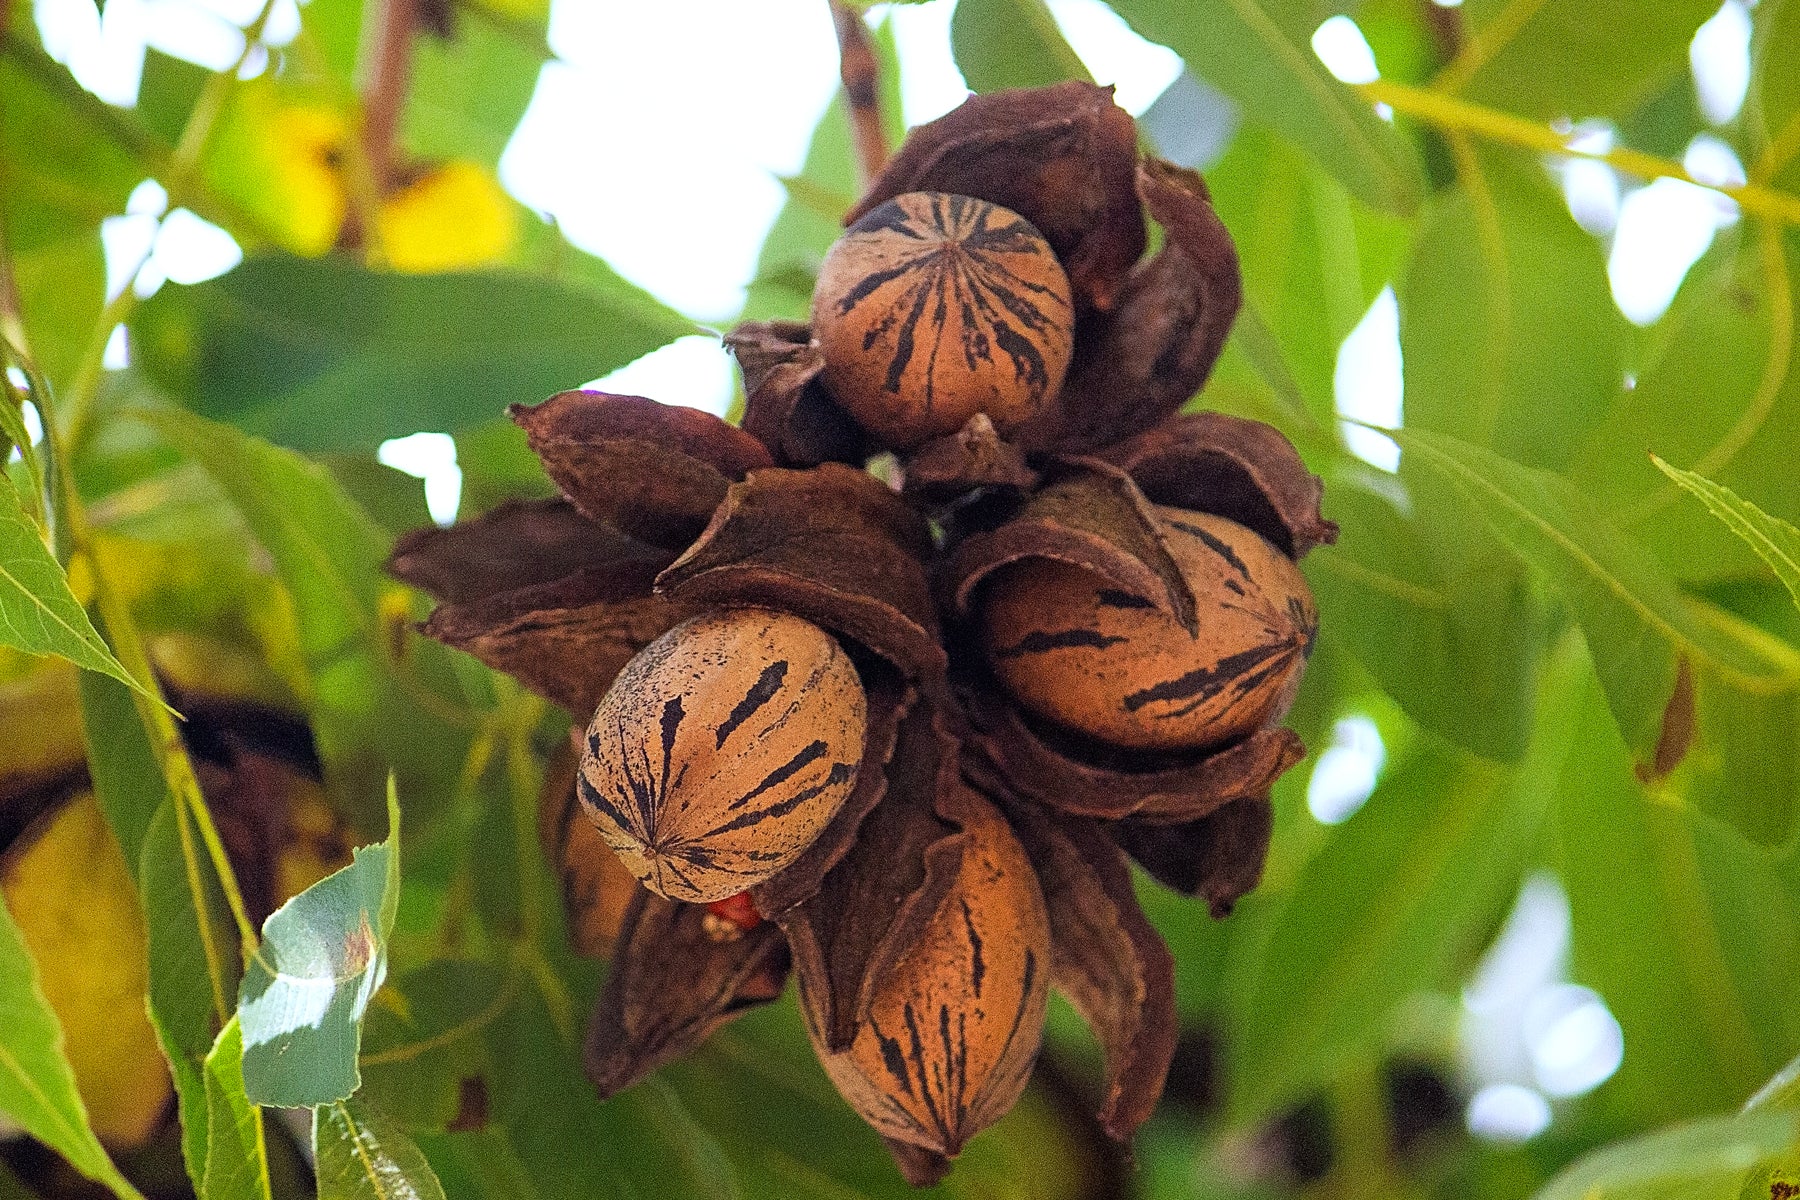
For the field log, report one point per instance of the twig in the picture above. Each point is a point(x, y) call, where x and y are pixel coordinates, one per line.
point(862, 89)
point(387, 76)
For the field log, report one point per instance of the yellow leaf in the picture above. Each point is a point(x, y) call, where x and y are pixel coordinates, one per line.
point(452, 218)
point(73, 898)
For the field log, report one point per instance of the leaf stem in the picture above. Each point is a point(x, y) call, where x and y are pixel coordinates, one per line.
point(1450, 113)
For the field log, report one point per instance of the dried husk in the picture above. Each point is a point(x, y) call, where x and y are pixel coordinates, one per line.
point(515, 545)
point(831, 544)
point(786, 407)
point(653, 471)
point(975, 456)
point(672, 984)
point(1089, 515)
point(1149, 355)
point(596, 888)
point(1219, 857)
point(1084, 778)
point(1106, 958)
point(1242, 470)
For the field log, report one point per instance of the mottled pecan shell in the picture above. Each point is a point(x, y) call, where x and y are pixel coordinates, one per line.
point(596, 888)
point(1219, 857)
point(672, 983)
point(831, 544)
point(1062, 157)
point(1231, 467)
point(654, 471)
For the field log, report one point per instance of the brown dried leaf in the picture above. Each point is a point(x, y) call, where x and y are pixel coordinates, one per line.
point(1090, 516)
point(1063, 157)
point(1153, 352)
point(831, 544)
point(1107, 958)
point(567, 639)
point(596, 887)
point(655, 471)
point(785, 406)
point(975, 456)
point(888, 701)
point(515, 545)
point(671, 985)
point(1085, 778)
point(1242, 470)
point(1219, 856)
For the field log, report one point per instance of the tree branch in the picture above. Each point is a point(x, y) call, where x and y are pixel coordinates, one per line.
point(862, 89)
point(387, 76)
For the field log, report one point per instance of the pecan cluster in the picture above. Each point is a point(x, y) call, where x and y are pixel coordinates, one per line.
point(889, 684)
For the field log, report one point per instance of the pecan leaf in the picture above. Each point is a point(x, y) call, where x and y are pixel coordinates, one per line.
point(786, 406)
point(514, 545)
point(1063, 157)
point(1084, 778)
point(1147, 357)
point(566, 639)
point(1242, 470)
point(1107, 958)
point(831, 544)
point(1090, 515)
point(1220, 856)
point(655, 471)
point(671, 985)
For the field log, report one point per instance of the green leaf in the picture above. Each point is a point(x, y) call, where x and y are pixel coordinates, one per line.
point(323, 955)
point(1781, 1092)
point(1454, 638)
point(1689, 933)
point(195, 964)
point(1508, 332)
point(1718, 392)
point(1260, 54)
point(1572, 58)
point(1313, 257)
point(128, 781)
point(425, 1035)
point(1775, 93)
point(37, 1086)
point(1011, 44)
point(1775, 541)
point(38, 613)
point(470, 90)
point(1700, 1159)
point(325, 354)
point(360, 1155)
point(1637, 624)
point(237, 1159)
point(329, 554)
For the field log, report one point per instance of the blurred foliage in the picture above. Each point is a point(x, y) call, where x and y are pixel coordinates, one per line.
point(1579, 666)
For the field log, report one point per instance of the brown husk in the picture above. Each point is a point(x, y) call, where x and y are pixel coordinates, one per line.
point(975, 456)
point(654, 471)
point(671, 985)
point(1219, 856)
point(1242, 470)
point(515, 545)
point(786, 407)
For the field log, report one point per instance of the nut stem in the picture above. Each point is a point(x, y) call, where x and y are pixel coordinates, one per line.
point(862, 91)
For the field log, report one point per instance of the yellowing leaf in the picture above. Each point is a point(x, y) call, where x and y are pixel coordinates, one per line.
point(76, 904)
point(452, 218)
point(282, 163)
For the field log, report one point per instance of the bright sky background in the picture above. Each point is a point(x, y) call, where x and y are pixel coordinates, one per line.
point(708, 102)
